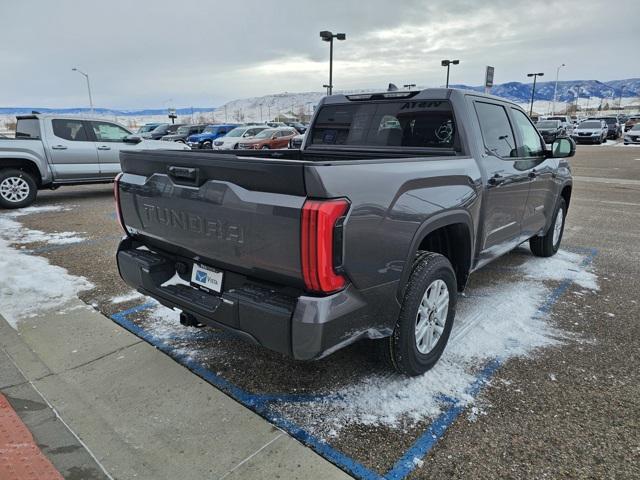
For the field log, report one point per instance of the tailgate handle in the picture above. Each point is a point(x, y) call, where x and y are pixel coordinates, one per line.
point(184, 172)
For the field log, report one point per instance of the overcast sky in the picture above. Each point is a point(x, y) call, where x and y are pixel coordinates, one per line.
point(204, 53)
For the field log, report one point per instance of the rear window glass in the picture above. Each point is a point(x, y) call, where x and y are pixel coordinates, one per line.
point(28, 128)
point(409, 123)
point(70, 130)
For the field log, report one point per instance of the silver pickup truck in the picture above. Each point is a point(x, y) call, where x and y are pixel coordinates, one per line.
point(49, 151)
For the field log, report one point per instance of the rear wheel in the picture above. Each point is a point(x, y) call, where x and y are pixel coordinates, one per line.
point(206, 144)
point(548, 245)
point(17, 188)
point(426, 316)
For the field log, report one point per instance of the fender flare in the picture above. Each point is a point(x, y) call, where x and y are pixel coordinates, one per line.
point(433, 223)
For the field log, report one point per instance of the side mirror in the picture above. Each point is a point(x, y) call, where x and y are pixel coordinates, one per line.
point(132, 139)
point(563, 148)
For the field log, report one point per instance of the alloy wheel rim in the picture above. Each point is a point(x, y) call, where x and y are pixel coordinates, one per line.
point(432, 316)
point(557, 227)
point(14, 189)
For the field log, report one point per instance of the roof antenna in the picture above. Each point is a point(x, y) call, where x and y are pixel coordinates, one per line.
point(392, 88)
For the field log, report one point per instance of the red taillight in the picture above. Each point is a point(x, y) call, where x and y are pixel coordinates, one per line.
point(116, 195)
point(319, 218)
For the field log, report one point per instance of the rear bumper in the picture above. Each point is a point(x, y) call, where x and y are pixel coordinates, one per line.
point(302, 327)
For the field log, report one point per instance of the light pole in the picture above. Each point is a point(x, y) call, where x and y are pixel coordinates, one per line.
point(328, 36)
point(409, 85)
point(448, 63)
point(86, 76)
point(555, 90)
point(533, 90)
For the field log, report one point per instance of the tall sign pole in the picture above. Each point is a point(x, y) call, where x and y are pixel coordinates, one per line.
point(488, 79)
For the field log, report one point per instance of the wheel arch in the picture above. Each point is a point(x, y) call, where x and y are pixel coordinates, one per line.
point(448, 233)
point(25, 165)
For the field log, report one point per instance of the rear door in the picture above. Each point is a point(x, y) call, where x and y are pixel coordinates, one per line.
point(507, 189)
point(541, 173)
point(72, 150)
point(109, 141)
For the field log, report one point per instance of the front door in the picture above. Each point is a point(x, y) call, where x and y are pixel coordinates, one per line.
point(72, 151)
point(507, 187)
point(109, 141)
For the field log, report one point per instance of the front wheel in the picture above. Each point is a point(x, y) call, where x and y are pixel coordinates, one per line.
point(548, 245)
point(17, 188)
point(426, 316)
point(207, 145)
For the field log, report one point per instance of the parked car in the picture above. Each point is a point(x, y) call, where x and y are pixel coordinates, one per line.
point(298, 126)
point(183, 132)
point(550, 130)
point(565, 122)
point(614, 127)
point(591, 131)
point(633, 135)
point(148, 127)
point(296, 142)
point(269, 139)
point(50, 151)
point(365, 233)
point(208, 135)
point(239, 134)
point(162, 130)
point(631, 121)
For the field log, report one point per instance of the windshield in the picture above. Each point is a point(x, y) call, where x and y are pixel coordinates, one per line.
point(636, 127)
point(210, 129)
point(590, 124)
point(183, 130)
point(547, 124)
point(266, 133)
point(236, 132)
point(397, 123)
point(146, 128)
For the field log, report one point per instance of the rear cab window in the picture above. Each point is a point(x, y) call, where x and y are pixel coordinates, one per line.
point(404, 123)
point(69, 129)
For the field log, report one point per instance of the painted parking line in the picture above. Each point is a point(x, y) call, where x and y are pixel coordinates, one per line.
point(263, 403)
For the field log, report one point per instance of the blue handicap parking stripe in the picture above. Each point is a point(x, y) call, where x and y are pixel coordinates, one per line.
point(262, 403)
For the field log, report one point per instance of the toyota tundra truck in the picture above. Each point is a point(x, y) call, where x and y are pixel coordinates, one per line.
point(49, 151)
point(369, 231)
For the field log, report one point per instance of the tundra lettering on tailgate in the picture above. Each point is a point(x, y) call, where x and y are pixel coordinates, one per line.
point(193, 223)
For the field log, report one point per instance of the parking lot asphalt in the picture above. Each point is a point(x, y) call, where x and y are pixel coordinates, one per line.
point(570, 409)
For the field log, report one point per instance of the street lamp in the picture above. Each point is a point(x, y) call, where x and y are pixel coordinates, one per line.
point(409, 85)
point(555, 90)
point(448, 63)
point(328, 36)
point(533, 90)
point(86, 76)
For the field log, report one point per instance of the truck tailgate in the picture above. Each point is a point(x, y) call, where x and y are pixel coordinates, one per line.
point(241, 215)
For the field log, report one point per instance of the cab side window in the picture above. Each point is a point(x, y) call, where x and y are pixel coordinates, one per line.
point(496, 129)
point(109, 132)
point(72, 130)
point(531, 142)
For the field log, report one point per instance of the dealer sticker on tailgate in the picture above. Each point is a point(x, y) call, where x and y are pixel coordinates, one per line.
point(206, 277)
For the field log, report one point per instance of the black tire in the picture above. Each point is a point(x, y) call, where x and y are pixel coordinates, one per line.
point(544, 246)
point(235, 147)
point(400, 350)
point(207, 145)
point(600, 140)
point(26, 180)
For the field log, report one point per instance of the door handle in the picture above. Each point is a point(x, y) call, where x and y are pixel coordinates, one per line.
point(496, 180)
point(104, 147)
point(58, 147)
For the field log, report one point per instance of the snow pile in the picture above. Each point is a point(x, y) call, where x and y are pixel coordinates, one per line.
point(14, 232)
point(127, 297)
point(498, 322)
point(29, 285)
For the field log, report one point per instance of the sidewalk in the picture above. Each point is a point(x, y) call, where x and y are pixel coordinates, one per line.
point(138, 413)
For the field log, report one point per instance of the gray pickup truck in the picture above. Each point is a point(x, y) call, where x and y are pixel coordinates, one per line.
point(50, 151)
point(367, 232)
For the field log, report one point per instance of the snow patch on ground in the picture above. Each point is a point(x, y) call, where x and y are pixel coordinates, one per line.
point(30, 285)
point(498, 322)
point(15, 232)
point(127, 297)
point(166, 322)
